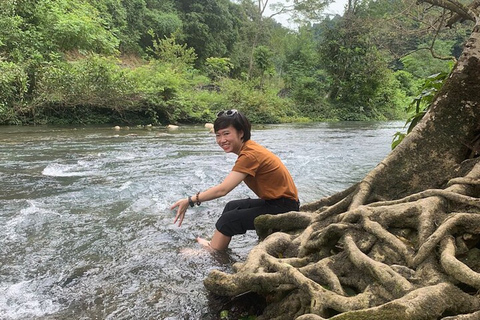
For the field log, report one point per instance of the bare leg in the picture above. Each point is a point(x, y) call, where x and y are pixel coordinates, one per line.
point(219, 241)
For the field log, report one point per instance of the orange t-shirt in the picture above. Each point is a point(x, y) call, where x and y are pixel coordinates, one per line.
point(267, 176)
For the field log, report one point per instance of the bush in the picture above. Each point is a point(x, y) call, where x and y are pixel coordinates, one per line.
point(261, 106)
point(13, 88)
point(75, 25)
point(95, 80)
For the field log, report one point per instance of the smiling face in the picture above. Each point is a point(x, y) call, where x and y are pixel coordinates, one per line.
point(230, 139)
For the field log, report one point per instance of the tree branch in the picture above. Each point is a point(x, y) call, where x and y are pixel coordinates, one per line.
point(465, 12)
point(457, 17)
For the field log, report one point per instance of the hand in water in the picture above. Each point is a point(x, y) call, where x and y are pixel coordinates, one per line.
point(182, 205)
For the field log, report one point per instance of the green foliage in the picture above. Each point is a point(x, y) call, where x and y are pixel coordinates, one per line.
point(13, 88)
point(157, 92)
point(209, 27)
point(132, 20)
point(360, 78)
point(160, 90)
point(163, 23)
point(10, 26)
point(389, 98)
point(18, 40)
point(311, 9)
point(74, 24)
point(421, 63)
point(407, 82)
point(260, 106)
point(218, 68)
point(178, 55)
point(13, 83)
point(250, 35)
point(93, 61)
point(308, 89)
point(306, 81)
point(420, 104)
point(263, 58)
point(94, 81)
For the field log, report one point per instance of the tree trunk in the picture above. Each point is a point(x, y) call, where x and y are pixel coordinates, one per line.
point(400, 244)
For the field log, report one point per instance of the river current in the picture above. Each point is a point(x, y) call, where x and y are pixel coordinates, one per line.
point(85, 226)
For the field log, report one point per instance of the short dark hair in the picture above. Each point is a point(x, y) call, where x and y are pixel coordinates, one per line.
point(237, 120)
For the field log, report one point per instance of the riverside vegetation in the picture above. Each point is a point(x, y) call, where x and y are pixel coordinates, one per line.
point(161, 62)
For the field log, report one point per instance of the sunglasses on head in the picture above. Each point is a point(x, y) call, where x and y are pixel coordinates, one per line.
point(227, 113)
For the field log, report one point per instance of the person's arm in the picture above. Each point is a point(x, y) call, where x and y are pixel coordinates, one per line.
point(232, 180)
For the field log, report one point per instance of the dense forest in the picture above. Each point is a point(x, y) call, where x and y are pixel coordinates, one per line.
point(178, 61)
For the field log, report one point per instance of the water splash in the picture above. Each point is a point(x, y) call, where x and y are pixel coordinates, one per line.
point(79, 169)
point(24, 300)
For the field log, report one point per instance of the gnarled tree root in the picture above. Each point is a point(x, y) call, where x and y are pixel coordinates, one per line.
point(348, 259)
point(424, 303)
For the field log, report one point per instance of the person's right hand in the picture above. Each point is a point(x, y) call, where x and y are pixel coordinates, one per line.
point(182, 205)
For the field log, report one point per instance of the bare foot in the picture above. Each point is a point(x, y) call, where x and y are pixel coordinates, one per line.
point(189, 252)
point(221, 256)
point(203, 242)
point(198, 252)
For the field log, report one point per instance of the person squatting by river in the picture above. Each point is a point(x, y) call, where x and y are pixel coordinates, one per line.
point(261, 170)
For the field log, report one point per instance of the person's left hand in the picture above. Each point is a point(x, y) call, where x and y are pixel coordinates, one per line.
point(182, 205)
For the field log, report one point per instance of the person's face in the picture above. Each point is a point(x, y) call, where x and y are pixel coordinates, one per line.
point(230, 139)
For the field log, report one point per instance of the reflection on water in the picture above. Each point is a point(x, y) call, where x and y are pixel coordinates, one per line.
point(85, 228)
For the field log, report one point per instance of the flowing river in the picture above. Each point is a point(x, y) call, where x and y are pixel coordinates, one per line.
point(85, 226)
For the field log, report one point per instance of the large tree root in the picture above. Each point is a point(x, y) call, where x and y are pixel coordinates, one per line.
point(349, 257)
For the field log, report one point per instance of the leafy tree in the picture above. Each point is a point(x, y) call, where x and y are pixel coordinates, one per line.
point(422, 64)
point(162, 24)
point(249, 36)
point(13, 90)
point(256, 30)
point(20, 37)
point(165, 81)
point(74, 25)
point(304, 77)
point(310, 10)
point(218, 68)
point(114, 14)
point(209, 27)
point(179, 56)
point(263, 60)
point(357, 68)
point(414, 34)
point(141, 17)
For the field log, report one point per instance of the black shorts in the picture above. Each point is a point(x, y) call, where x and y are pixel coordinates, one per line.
point(238, 215)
